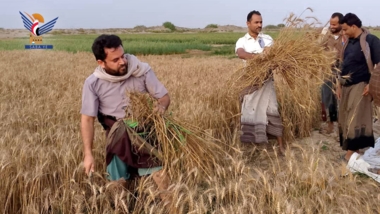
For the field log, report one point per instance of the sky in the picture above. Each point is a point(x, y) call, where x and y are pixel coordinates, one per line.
point(99, 14)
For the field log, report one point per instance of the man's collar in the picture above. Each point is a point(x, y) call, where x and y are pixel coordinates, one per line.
point(247, 36)
point(354, 40)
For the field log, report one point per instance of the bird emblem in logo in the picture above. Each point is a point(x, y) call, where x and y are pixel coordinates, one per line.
point(32, 23)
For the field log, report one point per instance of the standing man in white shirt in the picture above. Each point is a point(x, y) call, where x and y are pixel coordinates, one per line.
point(260, 114)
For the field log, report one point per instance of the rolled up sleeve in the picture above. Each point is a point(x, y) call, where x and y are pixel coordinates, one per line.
point(154, 86)
point(90, 101)
point(239, 44)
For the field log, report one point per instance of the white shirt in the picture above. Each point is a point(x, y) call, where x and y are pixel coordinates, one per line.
point(251, 45)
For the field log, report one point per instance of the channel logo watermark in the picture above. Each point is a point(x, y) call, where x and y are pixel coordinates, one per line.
point(31, 23)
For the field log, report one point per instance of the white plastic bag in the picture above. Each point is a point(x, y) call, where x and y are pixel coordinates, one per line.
point(357, 164)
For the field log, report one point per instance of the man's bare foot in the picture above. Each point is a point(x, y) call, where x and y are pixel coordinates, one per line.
point(327, 129)
point(281, 147)
point(348, 154)
point(281, 150)
point(330, 128)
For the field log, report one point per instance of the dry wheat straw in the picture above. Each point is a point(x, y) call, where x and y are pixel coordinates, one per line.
point(41, 149)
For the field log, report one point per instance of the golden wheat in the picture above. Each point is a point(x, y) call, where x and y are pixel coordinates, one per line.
point(41, 149)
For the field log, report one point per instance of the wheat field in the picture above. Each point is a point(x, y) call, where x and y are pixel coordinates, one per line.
point(41, 149)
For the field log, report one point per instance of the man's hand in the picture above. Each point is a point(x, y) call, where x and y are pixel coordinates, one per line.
point(89, 164)
point(366, 90)
point(266, 50)
point(162, 104)
point(160, 109)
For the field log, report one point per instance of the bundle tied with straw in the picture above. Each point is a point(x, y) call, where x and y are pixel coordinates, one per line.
point(180, 147)
point(299, 64)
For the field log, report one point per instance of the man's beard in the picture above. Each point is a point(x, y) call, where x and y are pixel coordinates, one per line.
point(335, 30)
point(117, 72)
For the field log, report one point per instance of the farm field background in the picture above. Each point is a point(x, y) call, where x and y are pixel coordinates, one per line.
point(146, 43)
point(142, 44)
point(41, 147)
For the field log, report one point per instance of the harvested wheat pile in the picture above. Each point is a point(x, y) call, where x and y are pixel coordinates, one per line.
point(298, 64)
point(181, 147)
point(192, 158)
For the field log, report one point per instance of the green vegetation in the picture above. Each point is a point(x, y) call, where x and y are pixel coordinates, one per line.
point(169, 25)
point(212, 26)
point(376, 32)
point(140, 27)
point(155, 44)
point(274, 27)
point(145, 44)
point(271, 27)
point(224, 50)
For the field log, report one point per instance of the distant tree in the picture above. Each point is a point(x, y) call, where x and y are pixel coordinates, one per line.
point(281, 25)
point(81, 31)
point(212, 26)
point(271, 27)
point(140, 27)
point(169, 25)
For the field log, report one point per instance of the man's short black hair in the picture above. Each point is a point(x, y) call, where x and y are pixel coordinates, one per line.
point(339, 15)
point(351, 19)
point(105, 41)
point(250, 14)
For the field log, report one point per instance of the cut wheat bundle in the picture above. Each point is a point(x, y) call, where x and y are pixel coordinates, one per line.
point(180, 147)
point(298, 64)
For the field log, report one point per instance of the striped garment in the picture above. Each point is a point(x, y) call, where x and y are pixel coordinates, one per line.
point(355, 118)
point(260, 115)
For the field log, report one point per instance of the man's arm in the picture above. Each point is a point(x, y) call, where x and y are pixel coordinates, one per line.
point(240, 51)
point(242, 54)
point(158, 91)
point(87, 131)
point(90, 105)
